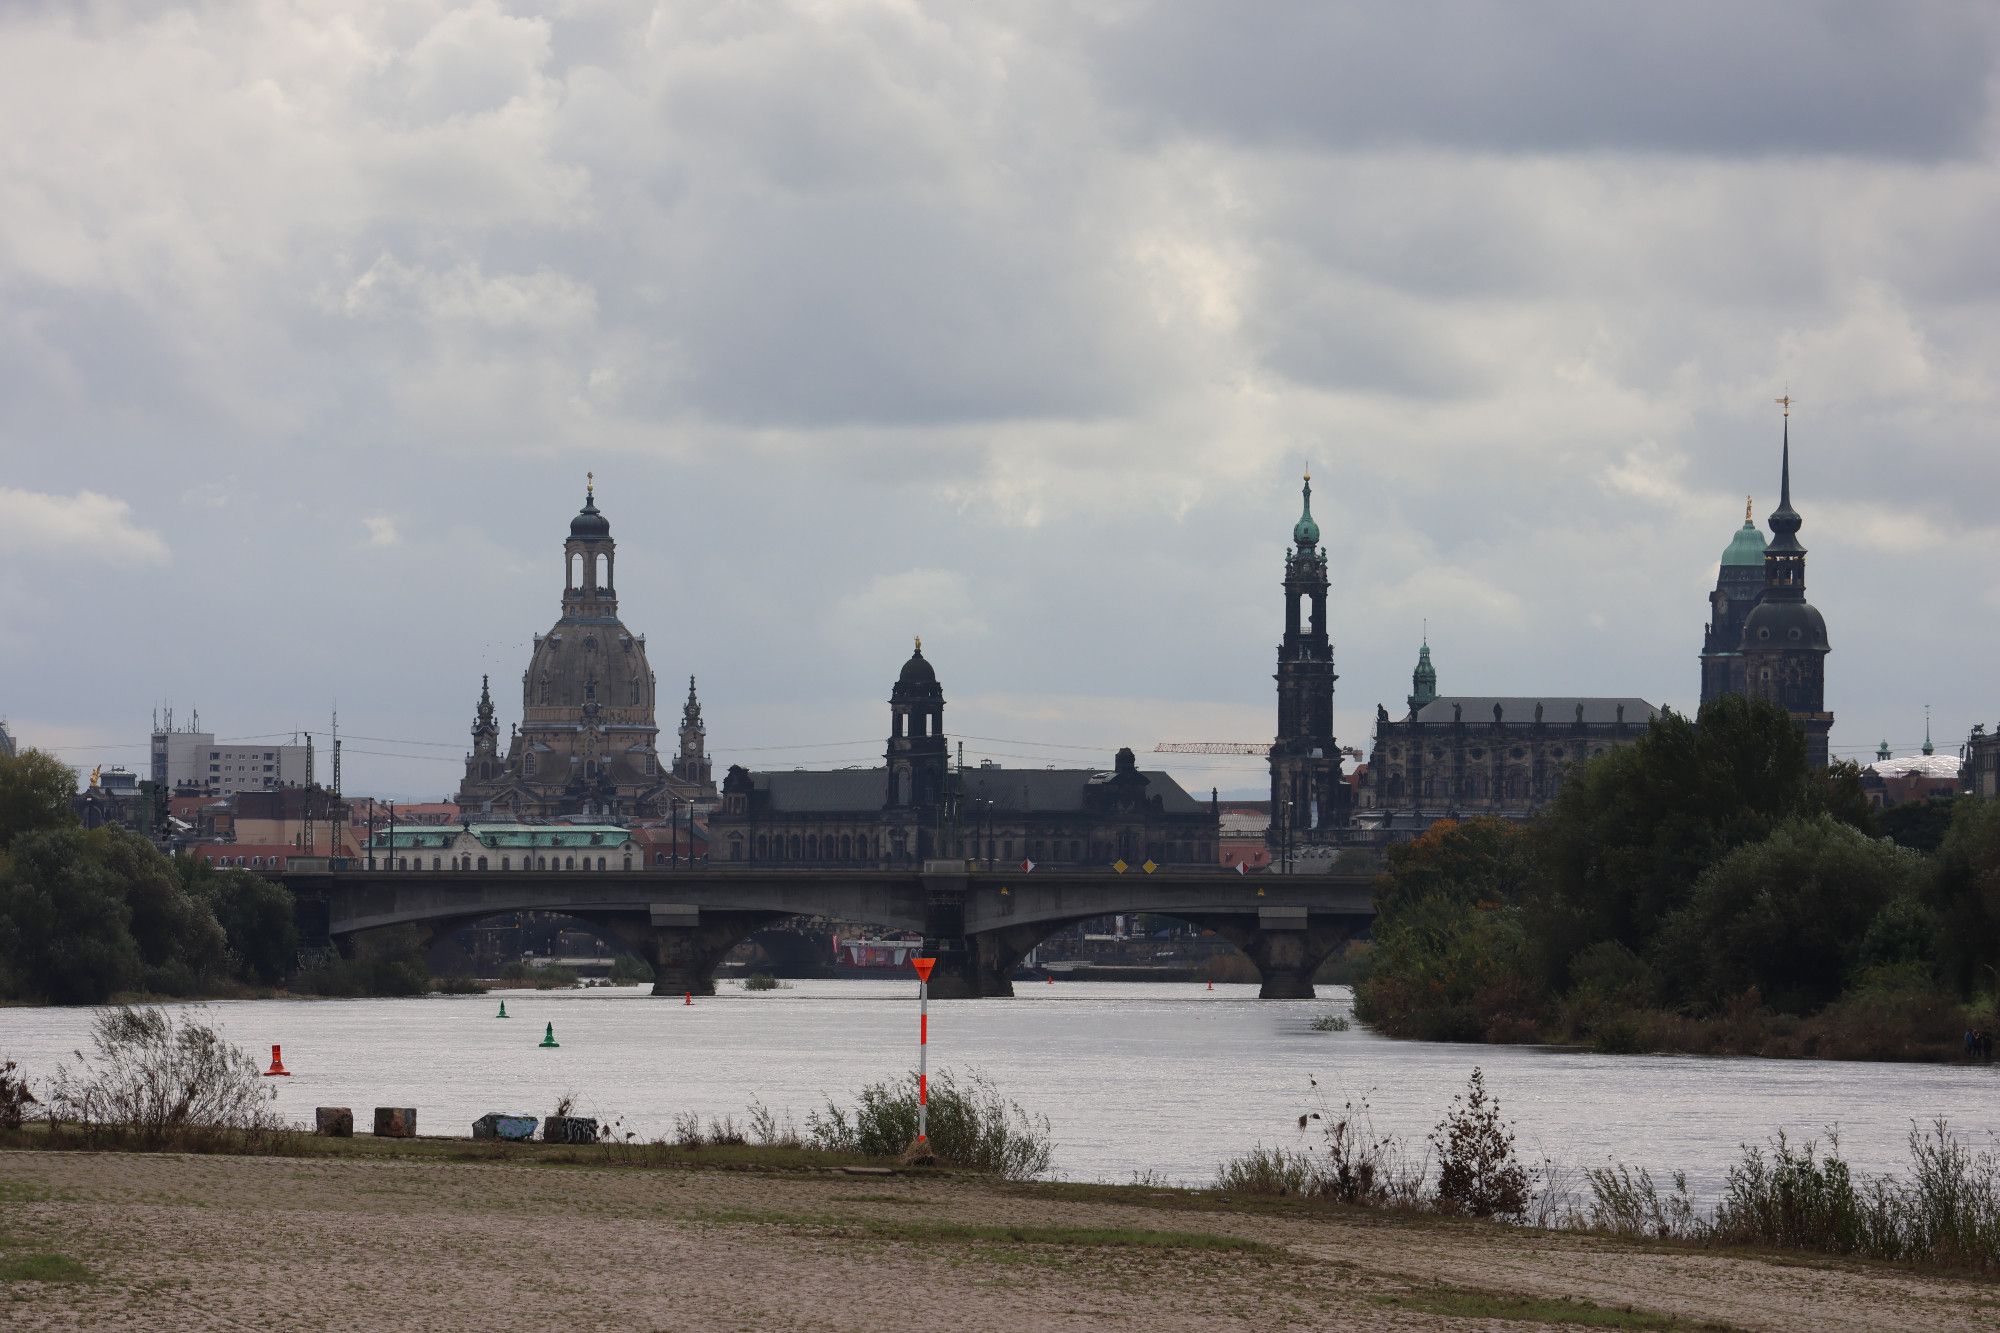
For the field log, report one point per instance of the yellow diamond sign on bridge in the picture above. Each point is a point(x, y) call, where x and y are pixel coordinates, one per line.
point(1119, 865)
point(1149, 867)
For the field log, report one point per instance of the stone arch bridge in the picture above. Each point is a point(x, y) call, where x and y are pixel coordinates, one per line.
point(978, 924)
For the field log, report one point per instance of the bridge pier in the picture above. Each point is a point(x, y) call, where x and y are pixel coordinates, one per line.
point(1287, 946)
point(687, 942)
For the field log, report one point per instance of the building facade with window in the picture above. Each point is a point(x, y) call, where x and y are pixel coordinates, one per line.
point(194, 761)
point(588, 740)
point(510, 847)
point(916, 806)
point(1466, 756)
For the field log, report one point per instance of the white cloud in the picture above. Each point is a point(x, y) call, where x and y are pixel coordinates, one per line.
point(85, 526)
point(381, 531)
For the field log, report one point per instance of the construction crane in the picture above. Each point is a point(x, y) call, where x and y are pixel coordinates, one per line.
point(1256, 748)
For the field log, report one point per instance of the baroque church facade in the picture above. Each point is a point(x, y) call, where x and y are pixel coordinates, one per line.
point(918, 806)
point(587, 743)
point(1763, 638)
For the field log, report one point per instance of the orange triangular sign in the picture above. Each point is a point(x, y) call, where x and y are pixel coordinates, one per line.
point(923, 966)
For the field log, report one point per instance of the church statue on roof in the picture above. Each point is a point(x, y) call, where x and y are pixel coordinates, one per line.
point(588, 740)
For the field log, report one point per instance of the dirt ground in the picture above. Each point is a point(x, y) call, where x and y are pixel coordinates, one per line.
point(175, 1242)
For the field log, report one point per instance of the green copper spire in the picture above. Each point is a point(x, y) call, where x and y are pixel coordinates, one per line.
point(1305, 532)
point(1882, 750)
point(1424, 680)
point(1928, 747)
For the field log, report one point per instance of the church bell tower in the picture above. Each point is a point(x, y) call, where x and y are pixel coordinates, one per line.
point(1309, 798)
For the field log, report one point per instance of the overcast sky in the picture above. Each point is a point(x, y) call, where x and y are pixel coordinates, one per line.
point(990, 323)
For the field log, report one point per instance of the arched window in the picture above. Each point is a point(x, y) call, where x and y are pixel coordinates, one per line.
point(796, 847)
point(482, 863)
point(437, 863)
point(600, 862)
point(763, 848)
point(541, 863)
point(812, 846)
point(256, 862)
point(628, 863)
point(1075, 850)
point(503, 863)
point(736, 847)
point(847, 847)
point(402, 864)
point(569, 863)
point(861, 846)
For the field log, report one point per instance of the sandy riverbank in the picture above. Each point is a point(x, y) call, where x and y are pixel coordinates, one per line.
point(353, 1242)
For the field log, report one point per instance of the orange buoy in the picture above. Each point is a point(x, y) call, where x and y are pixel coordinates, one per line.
point(1052, 978)
point(1211, 985)
point(689, 998)
point(277, 1069)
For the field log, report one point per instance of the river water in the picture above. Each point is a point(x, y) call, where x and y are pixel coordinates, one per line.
point(1134, 1077)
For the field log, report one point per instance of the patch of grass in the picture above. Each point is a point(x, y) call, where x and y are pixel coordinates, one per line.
point(1469, 1303)
point(867, 1198)
point(1331, 1023)
point(43, 1268)
point(22, 1191)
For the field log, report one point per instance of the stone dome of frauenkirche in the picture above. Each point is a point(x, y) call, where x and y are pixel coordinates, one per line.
point(588, 661)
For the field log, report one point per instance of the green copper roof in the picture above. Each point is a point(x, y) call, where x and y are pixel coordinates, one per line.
point(1747, 546)
point(1305, 532)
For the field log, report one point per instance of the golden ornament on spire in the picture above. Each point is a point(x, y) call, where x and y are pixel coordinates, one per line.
point(1746, 509)
point(1785, 402)
point(920, 643)
point(590, 484)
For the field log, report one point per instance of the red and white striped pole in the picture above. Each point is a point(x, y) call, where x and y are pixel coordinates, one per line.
point(923, 966)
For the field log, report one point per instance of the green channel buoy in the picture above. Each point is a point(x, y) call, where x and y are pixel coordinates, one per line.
point(549, 1037)
point(503, 1010)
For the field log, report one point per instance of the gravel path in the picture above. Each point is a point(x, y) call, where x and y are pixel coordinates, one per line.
point(260, 1243)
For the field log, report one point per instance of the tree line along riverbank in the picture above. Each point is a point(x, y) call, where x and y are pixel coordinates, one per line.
point(1703, 890)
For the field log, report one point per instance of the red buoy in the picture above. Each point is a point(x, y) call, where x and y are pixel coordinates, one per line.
point(277, 1069)
point(689, 998)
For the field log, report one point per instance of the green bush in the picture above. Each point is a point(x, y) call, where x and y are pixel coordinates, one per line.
point(970, 1125)
point(156, 1081)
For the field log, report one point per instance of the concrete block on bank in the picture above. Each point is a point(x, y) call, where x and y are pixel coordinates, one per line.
point(502, 1125)
point(335, 1122)
point(395, 1122)
point(569, 1129)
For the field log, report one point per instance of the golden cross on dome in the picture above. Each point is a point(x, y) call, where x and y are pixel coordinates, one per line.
point(1785, 402)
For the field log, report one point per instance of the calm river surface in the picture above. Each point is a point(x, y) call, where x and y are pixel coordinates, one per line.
point(1133, 1077)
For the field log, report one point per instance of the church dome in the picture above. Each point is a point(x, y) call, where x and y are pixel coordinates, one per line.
point(595, 661)
point(917, 671)
point(1305, 532)
point(1779, 623)
point(588, 523)
point(1746, 548)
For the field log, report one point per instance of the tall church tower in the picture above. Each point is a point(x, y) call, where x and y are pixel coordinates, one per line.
point(1739, 583)
point(1784, 643)
point(483, 764)
point(1309, 799)
point(692, 764)
point(917, 758)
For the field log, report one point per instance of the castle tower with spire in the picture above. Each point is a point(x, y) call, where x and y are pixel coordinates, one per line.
point(1784, 645)
point(1309, 796)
